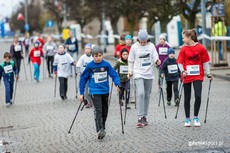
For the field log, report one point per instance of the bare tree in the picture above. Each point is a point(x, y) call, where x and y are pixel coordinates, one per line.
point(34, 14)
point(55, 7)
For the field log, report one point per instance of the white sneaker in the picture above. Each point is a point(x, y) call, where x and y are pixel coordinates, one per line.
point(187, 122)
point(7, 104)
point(196, 121)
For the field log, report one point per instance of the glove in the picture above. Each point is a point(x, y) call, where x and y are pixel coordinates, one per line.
point(210, 76)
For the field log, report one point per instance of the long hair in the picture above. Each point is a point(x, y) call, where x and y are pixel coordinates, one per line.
point(191, 33)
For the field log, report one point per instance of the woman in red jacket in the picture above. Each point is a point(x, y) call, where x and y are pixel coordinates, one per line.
point(35, 56)
point(193, 61)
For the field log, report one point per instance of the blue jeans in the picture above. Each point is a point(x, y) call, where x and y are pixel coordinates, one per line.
point(9, 87)
point(36, 71)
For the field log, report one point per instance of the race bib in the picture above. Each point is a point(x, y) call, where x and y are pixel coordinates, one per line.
point(163, 51)
point(193, 69)
point(49, 47)
point(72, 47)
point(64, 65)
point(123, 69)
point(145, 61)
point(17, 48)
point(172, 69)
point(8, 69)
point(100, 77)
point(37, 53)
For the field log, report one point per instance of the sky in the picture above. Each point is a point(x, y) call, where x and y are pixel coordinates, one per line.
point(7, 6)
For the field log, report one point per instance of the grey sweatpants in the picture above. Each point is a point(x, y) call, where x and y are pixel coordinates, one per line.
point(142, 95)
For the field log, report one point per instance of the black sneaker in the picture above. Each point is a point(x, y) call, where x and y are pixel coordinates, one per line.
point(121, 103)
point(139, 123)
point(169, 103)
point(144, 121)
point(63, 97)
point(177, 102)
point(101, 134)
point(127, 106)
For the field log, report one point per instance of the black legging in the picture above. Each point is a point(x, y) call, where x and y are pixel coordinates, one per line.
point(17, 63)
point(63, 86)
point(169, 90)
point(50, 61)
point(197, 85)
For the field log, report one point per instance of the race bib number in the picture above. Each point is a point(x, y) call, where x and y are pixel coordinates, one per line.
point(123, 69)
point(37, 53)
point(72, 47)
point(8, 69)
point(100, 77)
point(193, 69)
point(64, 65)
point(172, 69)
point(17, 48)
point(145, 61)
point(163, 51)
point(50, 47)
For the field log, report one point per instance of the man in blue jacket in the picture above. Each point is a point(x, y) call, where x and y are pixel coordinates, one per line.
point(71, 44)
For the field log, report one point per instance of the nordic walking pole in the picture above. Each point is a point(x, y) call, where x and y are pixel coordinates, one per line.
point(162, 94)
point(207, 101)
point(159, 98)
point(75, 78)
point(180, 92)
point(160, 90)
point(43, 67)
point(135, 96)
point(75, 117)
point(122, 126)
point(55, 86)
point(126, 100)
point(25, 69)
point(30, 72)
point(15, 89)
point(111, 91)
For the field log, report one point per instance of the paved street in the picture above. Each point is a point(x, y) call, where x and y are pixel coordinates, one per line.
point(39, 123)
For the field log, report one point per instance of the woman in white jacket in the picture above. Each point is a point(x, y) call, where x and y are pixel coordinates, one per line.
point(142, 58)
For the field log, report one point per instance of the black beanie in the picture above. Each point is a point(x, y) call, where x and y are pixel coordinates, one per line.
point(122, 51)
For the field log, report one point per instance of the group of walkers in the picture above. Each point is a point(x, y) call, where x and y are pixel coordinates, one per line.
point(132, 74)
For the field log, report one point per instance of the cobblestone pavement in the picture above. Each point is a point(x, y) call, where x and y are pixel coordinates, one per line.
point(38, 122)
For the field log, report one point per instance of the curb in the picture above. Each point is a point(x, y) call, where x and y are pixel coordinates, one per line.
point(227, 78)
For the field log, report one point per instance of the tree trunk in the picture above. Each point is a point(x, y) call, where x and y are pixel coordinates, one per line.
point(131, 22)
point(164, 25)
point(115, 31)
point(192, 20)
point(150, 24)
point(82, 25)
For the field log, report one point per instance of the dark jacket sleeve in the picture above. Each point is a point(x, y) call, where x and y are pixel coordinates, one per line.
point(164, 67)
point(76, 43)
point(116, 66)
point(113, 74)
point(12, 51)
